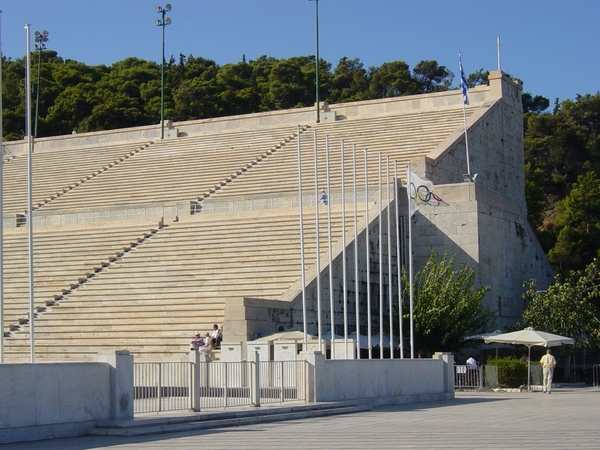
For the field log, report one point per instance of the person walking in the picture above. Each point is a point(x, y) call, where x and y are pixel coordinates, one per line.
point(548, 363)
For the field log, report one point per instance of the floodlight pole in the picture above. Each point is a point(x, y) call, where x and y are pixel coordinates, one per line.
point(29, 191)
point(317, 59)
point(40, 40)
point(163, 22)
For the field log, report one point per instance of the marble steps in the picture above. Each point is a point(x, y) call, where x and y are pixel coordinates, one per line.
point(69, 317)
point(181, 347)
point(222, 419)
point(133, 331)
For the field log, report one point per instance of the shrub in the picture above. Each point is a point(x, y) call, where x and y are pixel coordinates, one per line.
point(512, 372)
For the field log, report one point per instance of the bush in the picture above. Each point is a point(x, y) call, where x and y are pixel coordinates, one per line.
point(512, 372)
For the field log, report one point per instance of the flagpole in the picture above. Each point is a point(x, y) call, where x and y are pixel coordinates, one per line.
point(305, 327)
point(29, 191)
point(498, 44)
point(344, 263)
point(318, 251)
point(356, 280)
point(389, 246)
point(380, 239)
point(368, 245)
point(330, 248)
point(410, 266)
point(399, 260)
point(464, 89)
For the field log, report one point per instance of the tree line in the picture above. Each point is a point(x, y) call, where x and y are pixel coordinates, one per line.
point(76, 97)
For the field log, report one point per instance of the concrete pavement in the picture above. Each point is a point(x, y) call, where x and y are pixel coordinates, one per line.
point(568, 418)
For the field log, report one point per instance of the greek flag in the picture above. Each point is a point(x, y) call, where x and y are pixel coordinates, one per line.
point(463, 82)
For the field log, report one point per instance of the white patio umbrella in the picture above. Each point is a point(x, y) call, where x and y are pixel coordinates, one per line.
point(364, 341)
point(530, 337)
point(482, 336)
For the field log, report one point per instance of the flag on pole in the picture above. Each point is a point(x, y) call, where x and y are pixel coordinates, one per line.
point(463, 82)
point(420, 192)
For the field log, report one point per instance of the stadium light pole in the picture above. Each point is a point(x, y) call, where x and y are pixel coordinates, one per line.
point(317, 59)
point(40, 45)
point(163, 22)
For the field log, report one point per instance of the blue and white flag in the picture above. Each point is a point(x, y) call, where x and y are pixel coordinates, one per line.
point(463, 82)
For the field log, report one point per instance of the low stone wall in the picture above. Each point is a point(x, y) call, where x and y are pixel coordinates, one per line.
point(381, 381)
point(54, 400)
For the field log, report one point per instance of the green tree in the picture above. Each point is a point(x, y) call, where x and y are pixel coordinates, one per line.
point(349, 81)
point(447, 306)
point(578, 225)
point(537, 104)
point(391, 79)
point(431, 77)
point(569, 307)
point(478, 78)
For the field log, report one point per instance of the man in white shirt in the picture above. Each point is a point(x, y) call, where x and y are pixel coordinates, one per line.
point(548, 363)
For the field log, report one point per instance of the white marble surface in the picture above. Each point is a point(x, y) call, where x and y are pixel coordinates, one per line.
point(52, 393)
point(363, 379)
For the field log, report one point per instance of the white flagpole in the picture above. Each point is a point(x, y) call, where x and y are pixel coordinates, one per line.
point(302, 239)
point(410, 268)
point(380, 262)
point(344, 265)
point(463, 82)
point(318, 251)
point(356, 281)
point(330, 248)
point(498, 44)
point(389, 246)
point(369, 331)
point(1, 209)
point(29, 191)
point(399, 261)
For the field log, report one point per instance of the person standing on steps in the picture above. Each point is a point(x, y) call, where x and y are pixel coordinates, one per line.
point(323, 197)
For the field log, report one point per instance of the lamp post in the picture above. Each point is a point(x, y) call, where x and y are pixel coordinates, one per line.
point(40, 44)
point(163, 22)
point(317, 58)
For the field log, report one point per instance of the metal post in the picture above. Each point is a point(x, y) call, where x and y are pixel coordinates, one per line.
point(389, 247)
point(317, 60)
point(330, 247)
point(399, 261)
point(40, 38)
point(380, 261)
point(29, 191)
point(318, 250)
point(302, 263)
point(356, 281)
point(368, 246)
point(344, 268)
point(163, 22)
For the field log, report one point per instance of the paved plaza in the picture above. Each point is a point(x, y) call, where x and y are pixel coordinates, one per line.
point(566, 419)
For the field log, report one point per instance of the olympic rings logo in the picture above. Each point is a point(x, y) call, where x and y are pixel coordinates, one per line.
point(422, 195)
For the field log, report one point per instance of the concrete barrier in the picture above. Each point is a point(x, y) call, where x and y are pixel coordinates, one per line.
point(55, 400)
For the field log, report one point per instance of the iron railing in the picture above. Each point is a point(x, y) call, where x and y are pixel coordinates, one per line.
point(171, 386)
point(469, 378)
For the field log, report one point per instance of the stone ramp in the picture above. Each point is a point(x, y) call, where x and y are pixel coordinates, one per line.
point(144, 426)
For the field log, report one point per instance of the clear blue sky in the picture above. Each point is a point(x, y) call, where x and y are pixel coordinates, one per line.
point(552, 45)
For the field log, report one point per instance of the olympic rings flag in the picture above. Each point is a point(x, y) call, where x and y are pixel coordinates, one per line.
point(420, 192)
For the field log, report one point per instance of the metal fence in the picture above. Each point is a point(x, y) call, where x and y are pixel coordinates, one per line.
point(469, 378)
point(171, 386)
